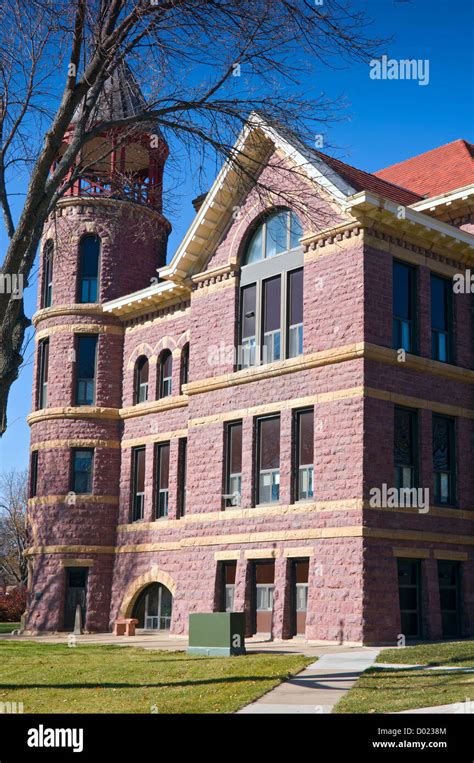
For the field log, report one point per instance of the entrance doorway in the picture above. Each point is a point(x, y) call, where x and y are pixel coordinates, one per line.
point(154, 607)
point(76, 593)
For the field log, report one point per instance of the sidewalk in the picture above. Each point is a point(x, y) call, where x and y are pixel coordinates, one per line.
point(319, 687)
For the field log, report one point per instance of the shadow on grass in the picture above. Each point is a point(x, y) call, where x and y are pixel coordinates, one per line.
point(145, 685)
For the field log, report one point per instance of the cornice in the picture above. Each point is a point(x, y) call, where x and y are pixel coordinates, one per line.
point(58, 311)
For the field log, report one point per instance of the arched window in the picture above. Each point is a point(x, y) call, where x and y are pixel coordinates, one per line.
point(279, 232)
point(47, 290)
point(89, 256)
point(141, 379)
point(166, 370)
point(271, 293)
point(185, 364)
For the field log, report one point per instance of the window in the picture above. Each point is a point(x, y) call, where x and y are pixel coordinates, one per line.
point(444, 460)
point(233, 464)
point(43, 363)
point(47, 291)
point(304, 471)
point(185, 365)
point(405, 448)
point(162, 470)
point(82, 462)
point(271, 296)
point(86, 369)
point(138, 483)
point(279, 232)
point(409, 590)
point(264, 577)
point(441, 319)
point(166, 370)
point(34, 473)
point(449, 577)
point(89, 256)
point(268, 459)
point(295, 313)
point(404, 307)
point(182, 475)
point(228, 571)
point(141, 379)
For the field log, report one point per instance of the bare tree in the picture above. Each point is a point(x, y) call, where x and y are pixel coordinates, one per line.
point(56, 55)
point(13, 503)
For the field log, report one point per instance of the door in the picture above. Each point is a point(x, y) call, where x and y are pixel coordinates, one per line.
point(76, 593)
point(449, 577)
point(299, 597)
point(264, 576)
point(409, 589)
point(158, 607)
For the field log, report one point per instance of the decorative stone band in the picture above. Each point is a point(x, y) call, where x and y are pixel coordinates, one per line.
point(58, 311)
point(262, 553)
point(80, 328)
point(81, 562)
point(90, 443)
point(278, 536)
point(49, 500)
point(422, 553)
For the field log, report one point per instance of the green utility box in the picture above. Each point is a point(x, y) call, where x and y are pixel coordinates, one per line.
point(217, 634)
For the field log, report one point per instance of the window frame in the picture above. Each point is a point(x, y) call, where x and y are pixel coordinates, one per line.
point(43, 373)
point(77, 379)
point(137, 516)
point(452, 473)
point(157, 490)
point(228, 475)
point(47, 281)
point(138, 385)
point(74, 452)
point(415, 435)
point(296, 458)
point(258, 471)
point(413, 300)
point(182, 475)
point(81, 278)
point(184, 367)
point(165, 382)
point(449, 333)
point(34, 473)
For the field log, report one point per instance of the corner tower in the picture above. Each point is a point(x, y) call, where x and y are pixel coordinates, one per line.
point(106, 238)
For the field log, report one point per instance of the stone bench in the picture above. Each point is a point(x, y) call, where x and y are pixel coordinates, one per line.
point(125, 626)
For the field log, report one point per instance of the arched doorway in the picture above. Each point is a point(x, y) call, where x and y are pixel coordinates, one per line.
point(153, 607)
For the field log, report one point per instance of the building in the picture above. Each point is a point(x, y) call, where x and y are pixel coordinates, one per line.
point(228, 432)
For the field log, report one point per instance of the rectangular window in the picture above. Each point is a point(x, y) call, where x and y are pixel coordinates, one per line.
point(182, 475)
point(34, 473)
point(404, 307)
point(409, 590)
point(138, 483)
point(162, 470)
point(449, 577)
point(248, 322)
point(295, 313)
point(405, 448)
point(444, 471)
point(264, 576)
point(299, 578)
point(82, 464)
point(233, 464)
point(47, 295)
point(304, 466)
point(43, 363)
point(441, 319)
point(229, 570)
point(268, 460)
point(86, 349)
point(271, 320)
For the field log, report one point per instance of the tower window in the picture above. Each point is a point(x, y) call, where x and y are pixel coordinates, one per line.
point(82, 463)
point(138, 483)
point(166, 370)
point(185, 364)
point(47, 291)
point(141, 379)
point(162, 473)
point(86, 369)
point(43, 363)
point(268, 460)
point(34, 473)
point(89, 256)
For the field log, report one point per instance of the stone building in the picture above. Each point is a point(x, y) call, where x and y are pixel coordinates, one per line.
point(226, 428)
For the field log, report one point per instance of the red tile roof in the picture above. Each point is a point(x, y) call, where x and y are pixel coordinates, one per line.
point(434, 172)
point(364, 181)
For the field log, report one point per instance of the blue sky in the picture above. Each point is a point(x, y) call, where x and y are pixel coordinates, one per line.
point(385, 121)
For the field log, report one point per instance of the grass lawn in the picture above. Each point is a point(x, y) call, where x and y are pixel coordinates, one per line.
point(8, 627)
point(389, 691)
point(55, 678)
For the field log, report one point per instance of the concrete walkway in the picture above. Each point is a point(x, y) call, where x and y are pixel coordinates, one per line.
point(456, 707)
point(319, 687)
